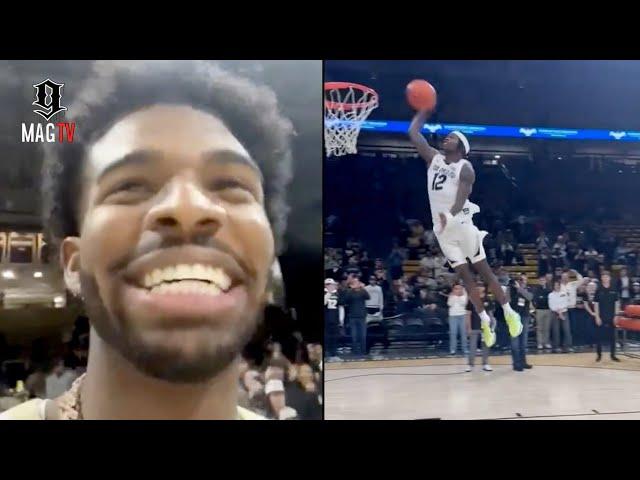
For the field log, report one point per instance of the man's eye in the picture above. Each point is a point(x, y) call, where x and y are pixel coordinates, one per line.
point(232, 190)
point(129, 191)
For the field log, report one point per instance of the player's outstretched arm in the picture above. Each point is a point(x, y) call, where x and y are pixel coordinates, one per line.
point(425, 150)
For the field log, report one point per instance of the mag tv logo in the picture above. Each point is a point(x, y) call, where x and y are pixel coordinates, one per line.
point(48, 103)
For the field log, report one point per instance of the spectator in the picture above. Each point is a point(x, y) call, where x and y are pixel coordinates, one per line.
point(570, 288)
point(558, 304)
point(395, 261)
point(520, 299)
point(624, 287)
point(59, 380)
point(333, 318)
point(36, 383)
point(375, 306)
point(302, 392)
point(255, 391)
point(588, 300)
point(542, 242)
point(276, 402)
point(457, 303)
point(440, 263)
point(375, 303)
point(591, 257)
point(543, 314)
point(474, 328)
point(607, 304)
point(353, 298)
point(635, 296)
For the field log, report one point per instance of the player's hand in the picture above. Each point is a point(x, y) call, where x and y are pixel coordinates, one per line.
point(598, 321)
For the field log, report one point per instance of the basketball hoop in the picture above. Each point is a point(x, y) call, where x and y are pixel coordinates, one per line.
point(346, 106)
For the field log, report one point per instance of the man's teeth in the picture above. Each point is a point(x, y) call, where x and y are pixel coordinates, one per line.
point(215, 276)
point(187, 286)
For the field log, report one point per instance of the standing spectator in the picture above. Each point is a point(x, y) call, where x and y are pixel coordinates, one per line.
point(558, 304)
point(607, 303)
point(475, 331)
point(375, 306)
point(589, 306)
point(624, 288)
point(544, 262)
point(59, 380)
point(520, 299)
point(375, 303)
point(457, 303)
point(543, 314)
point(333, 318)
point(353, 299)
point(571, 288)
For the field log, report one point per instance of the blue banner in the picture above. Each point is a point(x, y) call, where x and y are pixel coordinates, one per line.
point(505, 131)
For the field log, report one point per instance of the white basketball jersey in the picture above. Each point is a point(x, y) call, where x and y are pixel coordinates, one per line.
point(443, 186)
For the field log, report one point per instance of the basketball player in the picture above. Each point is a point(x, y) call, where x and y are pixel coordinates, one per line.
point(169, 210)
point(450, 181)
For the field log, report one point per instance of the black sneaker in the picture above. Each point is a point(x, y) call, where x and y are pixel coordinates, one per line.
point(518, 369)
point(527, 366)
point(599, 357)
point(615, 359)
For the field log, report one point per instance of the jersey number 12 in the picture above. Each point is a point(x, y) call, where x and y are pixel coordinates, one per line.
point(438, 180)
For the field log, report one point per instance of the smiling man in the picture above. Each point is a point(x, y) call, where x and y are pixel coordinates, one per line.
point(169, 212)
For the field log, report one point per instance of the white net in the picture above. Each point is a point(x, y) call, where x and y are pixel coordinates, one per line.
point(346, 107)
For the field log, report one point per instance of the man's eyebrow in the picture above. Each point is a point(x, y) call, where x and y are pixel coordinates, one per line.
point(135, 157)
point(230, 156)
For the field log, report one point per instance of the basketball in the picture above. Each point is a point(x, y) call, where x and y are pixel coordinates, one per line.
point(421, 95)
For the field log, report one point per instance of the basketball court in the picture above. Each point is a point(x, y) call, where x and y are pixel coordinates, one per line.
point(566, 386)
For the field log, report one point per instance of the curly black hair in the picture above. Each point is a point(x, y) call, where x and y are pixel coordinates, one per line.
point(116, 88)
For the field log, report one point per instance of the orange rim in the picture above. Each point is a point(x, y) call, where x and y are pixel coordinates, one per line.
point(349, 106)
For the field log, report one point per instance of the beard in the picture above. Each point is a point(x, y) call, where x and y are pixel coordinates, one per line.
point(161, 353)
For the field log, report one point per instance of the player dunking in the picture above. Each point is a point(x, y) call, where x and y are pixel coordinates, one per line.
point(451, 179)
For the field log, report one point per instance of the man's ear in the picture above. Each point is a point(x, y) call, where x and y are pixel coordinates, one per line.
point(70, 263)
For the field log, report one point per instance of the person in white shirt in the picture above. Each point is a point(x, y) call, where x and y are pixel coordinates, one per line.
point(59, 380)
point(559, 305)
point(457, 302)
point(571, 289)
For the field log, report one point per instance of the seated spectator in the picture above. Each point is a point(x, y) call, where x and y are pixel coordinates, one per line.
point(542, 242)
point(302, 392)
point(591, 258)
point(276, 407)
point(635, 294)
point(254, 387)
point(59, 380)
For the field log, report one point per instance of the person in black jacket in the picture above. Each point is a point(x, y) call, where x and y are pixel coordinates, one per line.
point(543, 314)
point(520, 299)
point(353, 298)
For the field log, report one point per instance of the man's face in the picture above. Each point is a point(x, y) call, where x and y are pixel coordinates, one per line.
point(450, 143)
point(564, 277)
point(457, 290)
point(556, 286)
point(331, 287)
point(606, 278)
point(548, 277)
point(175, 245)
point(542, 281)
point(373, 281)
point(523, 280)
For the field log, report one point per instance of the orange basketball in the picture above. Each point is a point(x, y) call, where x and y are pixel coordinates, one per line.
point(421, 95)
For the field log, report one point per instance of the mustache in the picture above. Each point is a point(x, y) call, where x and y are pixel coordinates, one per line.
point(153, 241)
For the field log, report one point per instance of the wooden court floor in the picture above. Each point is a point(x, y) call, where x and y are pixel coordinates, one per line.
point(561, 386)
